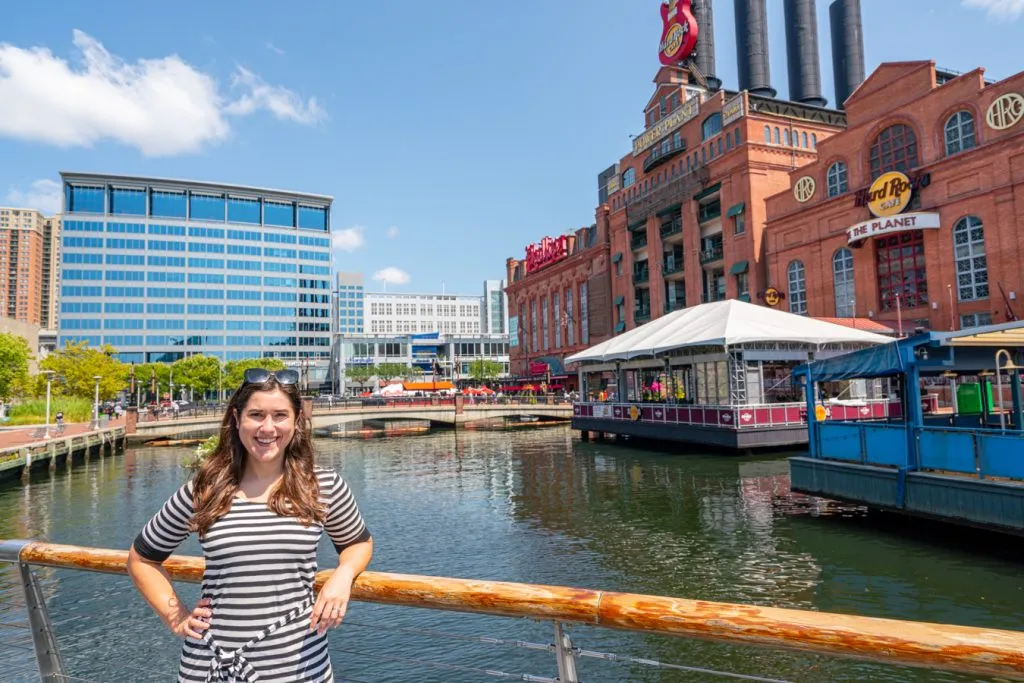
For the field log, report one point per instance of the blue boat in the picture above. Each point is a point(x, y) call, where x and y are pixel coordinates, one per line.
point(954, 452)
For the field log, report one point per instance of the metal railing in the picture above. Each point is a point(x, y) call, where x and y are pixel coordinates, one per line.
point(935, 646)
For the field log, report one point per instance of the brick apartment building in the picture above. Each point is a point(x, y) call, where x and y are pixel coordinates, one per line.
point(23, 241)
point(942, 247)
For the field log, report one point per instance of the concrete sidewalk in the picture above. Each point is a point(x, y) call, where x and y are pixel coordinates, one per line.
point(30, 435)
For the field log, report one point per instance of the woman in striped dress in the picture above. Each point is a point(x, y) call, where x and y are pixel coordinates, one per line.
point(259, 506)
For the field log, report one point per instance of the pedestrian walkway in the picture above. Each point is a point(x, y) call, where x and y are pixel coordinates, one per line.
point(29, 435)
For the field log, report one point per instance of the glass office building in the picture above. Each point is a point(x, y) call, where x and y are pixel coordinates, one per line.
point(162, 269)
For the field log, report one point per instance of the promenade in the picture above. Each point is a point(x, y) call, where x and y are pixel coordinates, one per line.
point(30, 435)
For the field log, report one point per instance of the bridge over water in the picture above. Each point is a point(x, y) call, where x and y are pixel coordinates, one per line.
point(438, 415)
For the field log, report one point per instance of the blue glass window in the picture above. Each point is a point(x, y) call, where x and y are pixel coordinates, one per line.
point(314, 270)
point(206, 324)
point(165, 292)
point(163, 276)
point(211, 233)
point(279, 326)
point(244, 265)
point(76, 274)
point(279, 296)
point(124, 259)
point(279, 341)
point(123, 291)
point(88, 242)
point(243, 295)
point(273, 267)
point(245, 250)
point(314, 256)
point(206, 278)
point(124, 340)
point(247, 235)
point(78, 339)
point(83, 258)
point(86, 199)
point(119, 243)
point(313, 218)
point(171, 261)
point(251, 325)
point(279, 311)
point(122, 324)
point(76, 290)
point(279, 239)
point(83, 226)
point(253, 280)
point(124, 276)
point(80, 323)
point(130, 202)
point(178, 230)
point(243, 210)
point(205, 248)
point(172, 309)
point(279, 214)
point(164, 340)
point(165, 324)
point(272, 252)
point(205, 293)
point(168, 205)
point(243, 310)
point(206, 309)
point(205, 263)
point(279, 282)
point(116, 307)
point(205, 341)
point(164, 245)
point(206, 207)
point(244, 341)
point(308, 241)
point(80, 307)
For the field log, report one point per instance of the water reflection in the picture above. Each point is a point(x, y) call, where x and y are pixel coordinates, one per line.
point(541, 507)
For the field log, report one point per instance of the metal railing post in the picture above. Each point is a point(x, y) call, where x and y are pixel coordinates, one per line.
point(564, 656)
point(51, 668)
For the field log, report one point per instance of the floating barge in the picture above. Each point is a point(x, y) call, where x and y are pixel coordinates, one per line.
point(958, 460)
point(718, 374)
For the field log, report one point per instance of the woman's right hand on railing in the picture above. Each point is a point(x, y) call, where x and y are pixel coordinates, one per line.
point(186, 624)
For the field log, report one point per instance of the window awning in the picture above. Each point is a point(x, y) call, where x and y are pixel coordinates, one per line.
point(616, 257)
point(707, 192)
point(735, 210)
point(619, 300)
point(738, 267)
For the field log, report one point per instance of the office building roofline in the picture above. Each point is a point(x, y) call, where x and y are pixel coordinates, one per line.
point(178, 183)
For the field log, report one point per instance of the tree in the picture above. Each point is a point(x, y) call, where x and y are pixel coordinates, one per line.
point(77, 364)
point(202, 373)
point(482, 370)
point(14, 357)
point(360, 374)
point(234, 370)
point(389, 371)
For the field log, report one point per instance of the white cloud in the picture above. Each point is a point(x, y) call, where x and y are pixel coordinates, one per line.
point(161, 106)
point(274, 48)
point(280, 101)
point(392, 232)
point(391, 276)
point(998, 9)
point(42, 195)
point(348, 239)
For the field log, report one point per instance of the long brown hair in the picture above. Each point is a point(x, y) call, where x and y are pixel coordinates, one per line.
point(219, 476)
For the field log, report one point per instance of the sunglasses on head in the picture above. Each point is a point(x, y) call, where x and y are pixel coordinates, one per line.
point(260, 375)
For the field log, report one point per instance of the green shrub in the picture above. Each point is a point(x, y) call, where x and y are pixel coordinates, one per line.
point(202, 451)
point(34, 412)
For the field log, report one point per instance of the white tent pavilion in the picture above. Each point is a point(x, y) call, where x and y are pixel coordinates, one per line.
point(724, 324)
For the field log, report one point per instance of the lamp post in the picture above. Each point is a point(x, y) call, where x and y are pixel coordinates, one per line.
point(96, 403)
point(1010, 366)
point(49, 378)
point(170, 389)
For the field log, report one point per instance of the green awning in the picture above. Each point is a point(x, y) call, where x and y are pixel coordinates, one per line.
point(620, 327)
point(735, 210)
point(619, 300)
point(738, 267)
point(707, 192)
point(616, 257)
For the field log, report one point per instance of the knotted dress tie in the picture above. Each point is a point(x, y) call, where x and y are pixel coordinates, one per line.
point(233, 667)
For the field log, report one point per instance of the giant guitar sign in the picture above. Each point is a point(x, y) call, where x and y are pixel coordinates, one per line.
point(679, 32)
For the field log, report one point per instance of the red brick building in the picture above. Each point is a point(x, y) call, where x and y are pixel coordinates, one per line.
point(558, 303)
point(686, 218)
point(941, 245)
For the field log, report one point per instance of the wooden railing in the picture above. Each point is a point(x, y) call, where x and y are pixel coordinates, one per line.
point(937, 646)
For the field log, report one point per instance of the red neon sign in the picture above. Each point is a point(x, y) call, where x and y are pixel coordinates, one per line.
point(679, 32)
point(549, 250)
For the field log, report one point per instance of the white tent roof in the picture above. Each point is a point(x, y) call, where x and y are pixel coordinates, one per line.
point(722, 323)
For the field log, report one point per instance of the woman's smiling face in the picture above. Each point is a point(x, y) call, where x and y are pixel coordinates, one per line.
point(266, 425)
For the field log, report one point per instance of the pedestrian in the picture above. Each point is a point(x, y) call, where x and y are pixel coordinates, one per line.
point(60, 420)
point(259, 506)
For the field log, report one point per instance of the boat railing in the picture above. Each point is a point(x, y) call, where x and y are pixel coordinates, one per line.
point(740, 417)
point(935, 646)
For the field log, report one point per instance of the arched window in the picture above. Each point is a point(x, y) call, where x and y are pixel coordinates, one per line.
point(797, 288)
point(895, 149)
point(842, 277)
point(628, 177)
point(719, 146)
point(814, 141)
point(728, 143)
point(768, 135)
point(712, 126)
point(836, 178)
point(737, 142)
point(785, 137)
point(805, 139)
point(959, 132)
point(971, 262)
point(777, 138)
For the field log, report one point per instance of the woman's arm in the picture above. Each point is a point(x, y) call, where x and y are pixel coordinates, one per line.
point(332, 602)
point(155, 586)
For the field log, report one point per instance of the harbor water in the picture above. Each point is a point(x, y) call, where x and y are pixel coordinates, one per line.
point(538, 507)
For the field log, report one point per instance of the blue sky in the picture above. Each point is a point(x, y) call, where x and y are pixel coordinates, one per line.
point(450, 133)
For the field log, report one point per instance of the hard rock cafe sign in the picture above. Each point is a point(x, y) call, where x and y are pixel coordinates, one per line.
point(679, 32)
point(891, 192)
point(549, 250)
point(771, 296)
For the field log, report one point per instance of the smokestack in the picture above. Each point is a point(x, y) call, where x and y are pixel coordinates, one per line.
point(802, 52)
point(847, 48)
point(752, 47)
point(704, 52)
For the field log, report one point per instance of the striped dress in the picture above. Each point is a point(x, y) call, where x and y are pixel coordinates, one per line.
point(259, 576)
